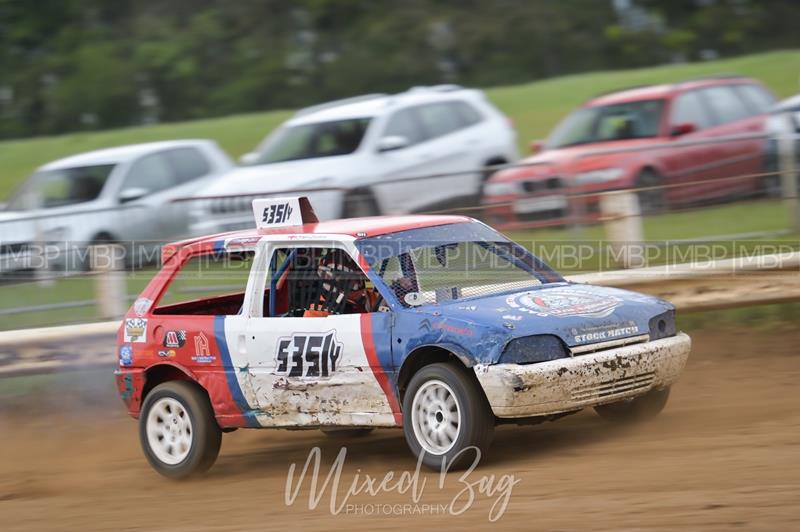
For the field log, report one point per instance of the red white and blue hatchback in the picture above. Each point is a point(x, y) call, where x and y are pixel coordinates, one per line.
point(436, 324)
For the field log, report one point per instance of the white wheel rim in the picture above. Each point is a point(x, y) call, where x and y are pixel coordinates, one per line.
point(169, 431)
point(436, 417)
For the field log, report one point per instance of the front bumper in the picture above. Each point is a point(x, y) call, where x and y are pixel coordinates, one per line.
point(568, 384)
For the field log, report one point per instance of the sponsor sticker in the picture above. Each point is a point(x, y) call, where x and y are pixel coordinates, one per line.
point(308, 354)
point(564, 303)
point(125, 355)
point(202, 353)
point(135, 330)
point(413, 299)
point(175, 339)
point(608, 332)
point(141, 306)
point(166, 353)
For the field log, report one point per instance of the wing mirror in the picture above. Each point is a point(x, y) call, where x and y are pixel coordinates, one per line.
point(536, 146)
point(683, 129)
point(249, 158)
point(132, 194)
point(392, 142)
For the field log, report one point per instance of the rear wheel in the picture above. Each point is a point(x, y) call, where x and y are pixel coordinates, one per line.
point(446, 416)
point(640, 408)
point(177, 430)
point(650, 193)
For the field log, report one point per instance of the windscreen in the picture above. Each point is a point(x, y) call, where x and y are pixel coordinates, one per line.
point(603, 123)
point(309, 141)
point(57, 188)
point(452, 262)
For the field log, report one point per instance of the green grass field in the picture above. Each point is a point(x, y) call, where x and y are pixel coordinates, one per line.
point(534, 107)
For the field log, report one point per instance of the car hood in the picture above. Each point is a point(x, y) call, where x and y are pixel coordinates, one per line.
point(552, 162)
point(15, 215)
point(276, 177)
point(578, 314)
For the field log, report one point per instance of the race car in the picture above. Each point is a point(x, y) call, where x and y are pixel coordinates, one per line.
point(436, 324)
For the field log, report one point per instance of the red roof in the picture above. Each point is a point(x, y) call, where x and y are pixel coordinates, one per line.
point(355, 227)
point(655, 92)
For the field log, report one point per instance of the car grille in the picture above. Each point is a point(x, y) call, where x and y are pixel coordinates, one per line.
point(231, 205)
point(614, 388)
point(543, 185)
point(18, 247)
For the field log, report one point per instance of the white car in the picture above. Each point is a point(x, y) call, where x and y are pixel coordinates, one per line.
point(121, 194)
point(361, 156)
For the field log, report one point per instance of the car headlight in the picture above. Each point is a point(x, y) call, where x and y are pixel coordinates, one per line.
point(502, 188)
point(532, 349)
point(663, 325)
point(599, 176)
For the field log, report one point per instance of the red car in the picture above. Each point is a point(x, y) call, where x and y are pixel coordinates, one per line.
point(641, 137)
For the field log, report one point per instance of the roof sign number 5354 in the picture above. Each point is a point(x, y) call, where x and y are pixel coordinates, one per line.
point(276, 213)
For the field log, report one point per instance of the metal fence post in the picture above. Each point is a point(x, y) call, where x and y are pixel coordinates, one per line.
point(107, 261)
point(622, 220)
point(787, 164)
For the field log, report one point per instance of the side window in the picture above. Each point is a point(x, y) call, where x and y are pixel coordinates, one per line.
point(151, 172)
point(468, 114)
point(212, 284)
point(188, 164)
point(688, 108)
point(725, 104)
point(317, 282)
point(439, 119)
point(404, 123)
point(758, 99)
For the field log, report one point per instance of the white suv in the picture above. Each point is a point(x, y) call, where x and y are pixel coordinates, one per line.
point(360, 157)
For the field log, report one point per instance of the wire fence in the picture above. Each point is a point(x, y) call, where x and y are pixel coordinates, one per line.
point(747, 191)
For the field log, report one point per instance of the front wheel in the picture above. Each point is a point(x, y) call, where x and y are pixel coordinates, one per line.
point(446, 416)
point(177, 430)
point(640, 408)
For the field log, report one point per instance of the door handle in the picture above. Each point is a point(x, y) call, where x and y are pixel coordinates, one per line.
point(241, 344)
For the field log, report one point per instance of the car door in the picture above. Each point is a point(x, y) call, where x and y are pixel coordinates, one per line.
point(692, 159)
point(326, 370)
point(737, 158)
point(140, 196)
point(441, 149)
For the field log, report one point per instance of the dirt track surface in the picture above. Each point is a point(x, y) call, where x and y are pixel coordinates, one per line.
point(725, 454)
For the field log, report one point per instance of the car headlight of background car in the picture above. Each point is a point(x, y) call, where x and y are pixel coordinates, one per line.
point(663, 325)
point(603, 175)
point(532, 349)
point(501, 189)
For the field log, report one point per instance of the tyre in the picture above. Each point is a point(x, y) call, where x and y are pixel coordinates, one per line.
point(333, 432)
point(640, 408)
point(488, 171)
point(360, 203)
point(651, 198)
point(444, 414)
point(177, 430)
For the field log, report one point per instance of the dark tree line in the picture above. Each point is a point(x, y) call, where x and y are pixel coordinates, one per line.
point(69, 65)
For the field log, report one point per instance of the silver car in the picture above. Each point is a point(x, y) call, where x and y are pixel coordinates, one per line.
point(121, 194)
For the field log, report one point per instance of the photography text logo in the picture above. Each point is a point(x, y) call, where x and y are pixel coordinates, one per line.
point(466, 487)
